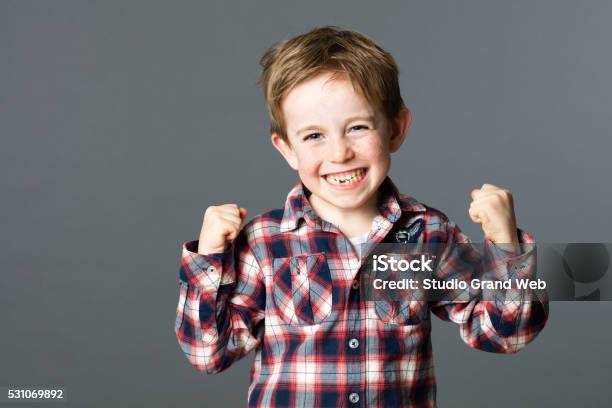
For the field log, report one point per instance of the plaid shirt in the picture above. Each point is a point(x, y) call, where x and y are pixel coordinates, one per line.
point(287, 288)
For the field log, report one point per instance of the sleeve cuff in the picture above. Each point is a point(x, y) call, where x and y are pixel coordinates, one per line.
point(504, 251)
point(205, 271)
point(509, 263)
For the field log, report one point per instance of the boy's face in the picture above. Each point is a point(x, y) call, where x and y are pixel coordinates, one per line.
point(339, 144)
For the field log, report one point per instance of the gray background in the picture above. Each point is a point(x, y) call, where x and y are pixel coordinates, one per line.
point(122, 121)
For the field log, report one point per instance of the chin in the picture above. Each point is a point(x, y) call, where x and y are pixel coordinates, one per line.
point(348, 204)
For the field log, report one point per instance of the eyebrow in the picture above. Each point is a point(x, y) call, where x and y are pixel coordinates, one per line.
point(368, 118)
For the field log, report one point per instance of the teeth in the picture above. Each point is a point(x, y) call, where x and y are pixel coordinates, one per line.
point(346, 178)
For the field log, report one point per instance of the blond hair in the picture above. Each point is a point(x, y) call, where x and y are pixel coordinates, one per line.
point(371, 70)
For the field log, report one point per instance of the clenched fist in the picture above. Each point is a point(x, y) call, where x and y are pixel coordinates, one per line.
point(492, 207)
point(221, 224)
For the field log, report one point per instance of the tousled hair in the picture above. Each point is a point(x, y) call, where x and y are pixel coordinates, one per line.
point(371, 70)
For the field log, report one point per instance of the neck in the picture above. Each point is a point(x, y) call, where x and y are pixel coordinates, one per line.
point(352, 222)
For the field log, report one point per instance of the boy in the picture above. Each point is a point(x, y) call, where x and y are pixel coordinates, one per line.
point(287, 283)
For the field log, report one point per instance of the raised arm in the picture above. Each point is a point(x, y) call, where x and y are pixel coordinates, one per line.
point(219, 317)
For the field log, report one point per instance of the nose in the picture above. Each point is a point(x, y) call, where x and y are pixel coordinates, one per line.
point(340, 150)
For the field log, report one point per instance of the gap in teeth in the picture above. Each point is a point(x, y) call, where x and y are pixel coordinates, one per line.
point(348, 178)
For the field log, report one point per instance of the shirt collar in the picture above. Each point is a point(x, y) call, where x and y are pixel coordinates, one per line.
point(391, 205)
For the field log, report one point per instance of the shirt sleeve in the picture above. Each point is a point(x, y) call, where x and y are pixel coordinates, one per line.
point(219, 317)
point(502, 321)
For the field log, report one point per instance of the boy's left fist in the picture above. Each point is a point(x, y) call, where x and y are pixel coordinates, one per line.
point(493, 208)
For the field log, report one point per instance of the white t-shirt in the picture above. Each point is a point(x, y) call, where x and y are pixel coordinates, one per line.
point(358, 241)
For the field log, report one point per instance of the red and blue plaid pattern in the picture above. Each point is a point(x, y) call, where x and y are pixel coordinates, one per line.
point(288, 288)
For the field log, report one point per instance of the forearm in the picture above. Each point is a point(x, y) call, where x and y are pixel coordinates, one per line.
point(502, 321)
point(214, 325)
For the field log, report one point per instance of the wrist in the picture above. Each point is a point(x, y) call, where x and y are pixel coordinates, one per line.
point(506, 237)
point(507, 241)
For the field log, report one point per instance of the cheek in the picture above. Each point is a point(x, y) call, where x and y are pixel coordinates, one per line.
point(307, 163)
point(374, 149)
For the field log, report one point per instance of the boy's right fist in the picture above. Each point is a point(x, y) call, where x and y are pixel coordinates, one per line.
point(221, 224)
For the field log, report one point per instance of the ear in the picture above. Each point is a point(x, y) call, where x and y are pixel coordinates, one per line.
point(399, 129)
point(285, 149)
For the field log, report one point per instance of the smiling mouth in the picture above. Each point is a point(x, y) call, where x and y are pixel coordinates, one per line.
point(347, 177)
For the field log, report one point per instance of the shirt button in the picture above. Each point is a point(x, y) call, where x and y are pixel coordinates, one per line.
point(353, 343)
point(354, 397)
point(355, 284)
point(211, 269)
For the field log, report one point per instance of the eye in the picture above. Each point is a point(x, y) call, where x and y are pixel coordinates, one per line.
point(359, 126)
point(312, 136)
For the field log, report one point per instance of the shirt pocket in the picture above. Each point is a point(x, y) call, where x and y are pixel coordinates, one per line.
point(302, 289)
point(401, 312)
point(404, 306)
